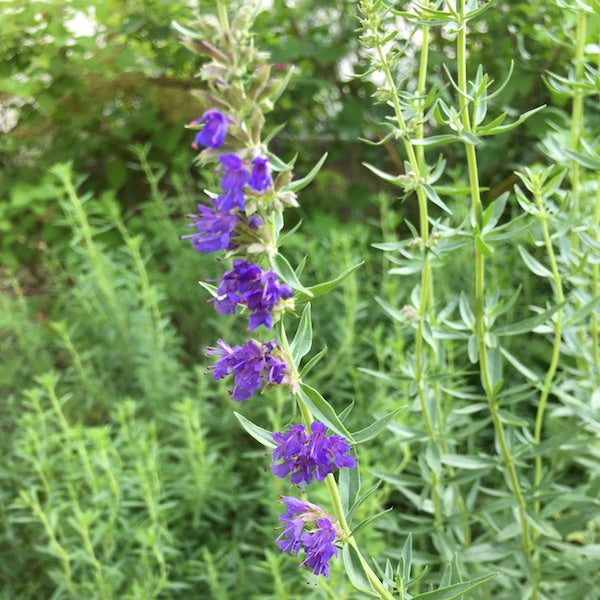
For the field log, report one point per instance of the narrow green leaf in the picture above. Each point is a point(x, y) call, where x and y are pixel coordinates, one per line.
point(283, 268)
point(302, 342)
point(456, 590)
point(370, 519)
point(528, 325)
point(406, 555)
point(468, 462)
point(299, 184)
point(321, 409)
point(373, 429)
point(355, 571)
point(211, 289)
point(349, 482)
point(534, 265)
point(395, 179)
point(542, 526)
point(261, 435)
point(322, 288)
point(313, 361)
point(362, 498)
point(433, 196)
point(482, 246)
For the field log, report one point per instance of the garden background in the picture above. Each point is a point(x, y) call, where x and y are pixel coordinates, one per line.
point(124, 472)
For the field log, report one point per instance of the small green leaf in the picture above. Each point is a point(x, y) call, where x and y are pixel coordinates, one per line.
point(370, 519)
point(456, 590)
point(322, 410)
point(355, 571)
point(362, 498)
point(528, 325)
point(283, 268)
point(261, 435)
point(313, 361)
point(373, 429)
point(468, 462)
point(322, 288)
point(299, 184)
point(302, 341)
point(533, 265)
point(349, 482)
point(433, 196)
point(482, 246)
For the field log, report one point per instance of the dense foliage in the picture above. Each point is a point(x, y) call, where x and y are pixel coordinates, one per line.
point(124, 473)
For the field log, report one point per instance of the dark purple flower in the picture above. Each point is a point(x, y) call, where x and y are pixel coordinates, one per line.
point(317, 541)
point(235, 177)
point(259, 290)
point(214, 229)
point(260, 177)
point(311, 456)
point(319, 547)
point(252, 365)
point(212, 135)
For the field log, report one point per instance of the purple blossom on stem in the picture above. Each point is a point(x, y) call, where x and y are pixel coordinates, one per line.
point(311, 456)
point(214, 229)
point(308, 527)
point(248, 284)
point(251, 365)
point(235, 177)
point(212, 135)
point(260, 177)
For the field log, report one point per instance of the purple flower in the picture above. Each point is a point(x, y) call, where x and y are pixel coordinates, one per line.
point(212, 135)
point(235, 177)
point(251, 365)
point(259, 290)
point(308, 527)
point(260, 177)
point(214, 229)
point(307, 456)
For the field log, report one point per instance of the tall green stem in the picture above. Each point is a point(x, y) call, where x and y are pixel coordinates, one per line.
point(477, 218)
point(222, 12)
point(577, 109)
point(539, 420)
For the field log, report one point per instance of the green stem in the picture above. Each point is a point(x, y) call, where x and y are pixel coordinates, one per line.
point(477, 215)
point(539, 420)
point(222, 12)
point(577, 109)
point(338, 510)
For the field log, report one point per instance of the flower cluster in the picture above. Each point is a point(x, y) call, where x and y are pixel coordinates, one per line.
point(258, 290)
point(241, 220)
point(251, 365)
point(307, 456)
point(216, 225)
point(307, 527)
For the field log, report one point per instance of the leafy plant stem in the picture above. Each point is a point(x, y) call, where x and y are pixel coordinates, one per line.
point(596, 287)
point(477, 219)
point(539, 419)
point(336, 502)
point(577, 109)
point(222, 12)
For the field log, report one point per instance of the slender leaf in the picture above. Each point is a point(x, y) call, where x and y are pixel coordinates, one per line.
point(456, 590)
point(261, 435)
point(302, 341)
point(299, 184)
point(321, 409)
point(373, 429)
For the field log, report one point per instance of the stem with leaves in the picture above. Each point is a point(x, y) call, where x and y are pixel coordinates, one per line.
point(480, 324)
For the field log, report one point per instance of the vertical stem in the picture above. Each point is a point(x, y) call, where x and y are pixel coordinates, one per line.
point(539, 420)
point(222, 12)
point(477, 214)
point(577, 109)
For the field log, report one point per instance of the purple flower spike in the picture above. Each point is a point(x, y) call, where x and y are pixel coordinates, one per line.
point(317, 541)
point(311, 456)
point(235, 177)
point(252, 365)
point(212, 135)
point(214, 229)
point(260, 177)
point(259, 290)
